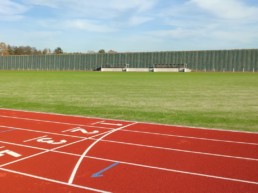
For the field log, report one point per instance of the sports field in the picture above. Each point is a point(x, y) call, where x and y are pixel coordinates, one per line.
point(211, 100)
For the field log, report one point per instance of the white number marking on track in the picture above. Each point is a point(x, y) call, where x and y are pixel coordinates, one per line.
point(49, 140)
point(84, 131)
point(9, 152)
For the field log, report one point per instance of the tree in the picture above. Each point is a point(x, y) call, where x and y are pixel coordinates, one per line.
point(91, 52)
point(46, 51)
point(3, 49)
point(102, 51)
point(58, 50)
point(112, 52)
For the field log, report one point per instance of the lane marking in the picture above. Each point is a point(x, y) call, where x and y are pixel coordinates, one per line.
point(54, 181)
point(57, 122)
point(165, 169)
point(80, 116)
point(128, 163)
point(5, 131)
point(100, 173)
point(104, 123)
point(24, 158)
point(135, 131)
point(178, 150)
point(71, 179)
point(43, 152)
point(84, 131)
point(10, 153)
point(43, 132)
point(33, 139)
point(241, 180)
point(49, 140)
point(189, 137)
point(21, 145)
point(92, 137)
point(99, 134)
point(177, 171)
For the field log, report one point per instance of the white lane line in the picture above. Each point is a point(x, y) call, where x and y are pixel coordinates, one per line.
point(188, 137)
point(46, 151)
point(164, 169)
point(177, 171)
point(136, 131)
point(71, 179)
point(130, 163)
point(54, 181)
point(148, 123)
point(56, 122)
point(24, 158)
point(99, 134)
point(177, 150)
point(105, 123)
point(32, 139)
point(43, 132)
point(96, 123)
point(21, 145)
point(92, 137)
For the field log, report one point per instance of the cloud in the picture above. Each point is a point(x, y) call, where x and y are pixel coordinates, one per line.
point(47, 3)
point(10, 10)
point(96, 8)
point(207, 24)
point(138, 20)
point(136, 24)
point(98, 15)
point(229, 9)
point(87, 25)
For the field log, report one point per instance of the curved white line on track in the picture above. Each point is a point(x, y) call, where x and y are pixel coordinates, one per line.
point(71, 179)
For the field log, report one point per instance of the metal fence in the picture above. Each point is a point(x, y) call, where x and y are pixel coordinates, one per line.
point(244, 60)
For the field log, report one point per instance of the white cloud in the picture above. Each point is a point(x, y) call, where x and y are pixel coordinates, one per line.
point(229, 9)
point(230, 22)
point(138, 20)
point(98, 15)
point(47, 3)
point(10, 10)
point(136, 24)
point(96, 8)
point(86, 25)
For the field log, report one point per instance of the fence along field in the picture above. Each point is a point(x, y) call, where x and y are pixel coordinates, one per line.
point(242, 60)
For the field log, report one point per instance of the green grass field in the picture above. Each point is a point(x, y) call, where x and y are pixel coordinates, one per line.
point(214, 100)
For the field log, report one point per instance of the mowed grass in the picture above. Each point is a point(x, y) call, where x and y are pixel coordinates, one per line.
point(213, 100)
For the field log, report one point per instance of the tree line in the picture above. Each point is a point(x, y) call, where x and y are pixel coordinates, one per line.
point(8, 50)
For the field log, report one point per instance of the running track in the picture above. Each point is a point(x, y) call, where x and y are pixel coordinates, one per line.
point(42, 152)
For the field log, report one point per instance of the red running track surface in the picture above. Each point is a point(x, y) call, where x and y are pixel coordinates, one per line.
point(41, 152)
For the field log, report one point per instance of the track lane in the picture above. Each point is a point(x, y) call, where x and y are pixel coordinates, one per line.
point(227, 135)
point(177, 142)
point(182, 161)
point(77, 120)
point(189, 144)
point(221, 174)
point(126, 178)
point(11, 182)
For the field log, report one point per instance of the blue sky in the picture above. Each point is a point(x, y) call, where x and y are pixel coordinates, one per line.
point(133, 25)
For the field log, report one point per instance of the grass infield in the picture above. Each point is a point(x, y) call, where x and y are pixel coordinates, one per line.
point(214, 100)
